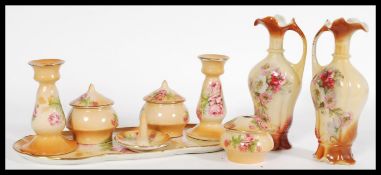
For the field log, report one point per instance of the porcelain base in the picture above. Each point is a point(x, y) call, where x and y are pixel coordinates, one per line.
point(281, 142)
point(245, 157)
point(49, 145)
point(113, 151)
point(209, 132)
point(335, 154)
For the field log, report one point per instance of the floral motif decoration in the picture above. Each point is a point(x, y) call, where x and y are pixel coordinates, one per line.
point(186, 117)
point(54, 103)
point(160, 95)
point(247, 143)
point(87, 101)
point(115, 120)
point(270, 82)
point(35, 111)
point(324, 98)
point(54, 119)
point(163, 95)
point(212, 101)
point(259, 122)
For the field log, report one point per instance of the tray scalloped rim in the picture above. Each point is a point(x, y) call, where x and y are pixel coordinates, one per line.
point(120, 157)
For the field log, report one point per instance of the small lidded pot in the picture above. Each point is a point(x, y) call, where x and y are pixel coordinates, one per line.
point(246, 139)
point(165, 111)
point(92, 119)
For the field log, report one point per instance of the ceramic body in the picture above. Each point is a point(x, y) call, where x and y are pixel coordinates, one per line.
point(165, 111)
point(339, 93)
point(275, 83)
point(211, 108)
point(117, 149)
point(167, 118)
point(48, 118)
point(244, 142)
point(92, 124)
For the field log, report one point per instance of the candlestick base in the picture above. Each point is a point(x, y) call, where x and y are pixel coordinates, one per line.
point(49, 145)
point(208, 132)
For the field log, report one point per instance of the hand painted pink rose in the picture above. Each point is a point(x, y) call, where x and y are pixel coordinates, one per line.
point(215, 110)
point(54, 119)
point(114, 122)
point(226, 143)
point(243, 147)
point(262, 124)
point(160, 95)
point(218, 100)
point(327, 79)
point(199, 113)
point(186, 119)
point(215, 100)
point(212, 101)
point(265, 98)
point(276, 81)
point(215, 88)
point(330, 100)
point(248, 138)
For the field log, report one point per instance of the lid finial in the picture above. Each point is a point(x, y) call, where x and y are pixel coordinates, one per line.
point(164, 95)
point(164, 84)
point(91, 99)
point(91, 88)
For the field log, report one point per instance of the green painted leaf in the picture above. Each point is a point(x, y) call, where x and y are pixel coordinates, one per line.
point(55, 102)
point(253, 145)
point(252, 148)
point(236, 140)
point(204, 102)
point(116, 118)
point(336, 130)
point(321, 105)
point(170, 96)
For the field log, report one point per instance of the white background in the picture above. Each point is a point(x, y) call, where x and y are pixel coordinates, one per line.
point(127, 51)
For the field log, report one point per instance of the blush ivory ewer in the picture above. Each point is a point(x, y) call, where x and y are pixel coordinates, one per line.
point(275, 82)
point(339, 93)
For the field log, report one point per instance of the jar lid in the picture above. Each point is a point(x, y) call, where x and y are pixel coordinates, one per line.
point(164, 95)
point(91, 99)
point(248, 124)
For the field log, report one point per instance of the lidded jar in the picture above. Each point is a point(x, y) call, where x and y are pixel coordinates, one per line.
point(165, 111)
point(246, 139)
point(92, 119)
